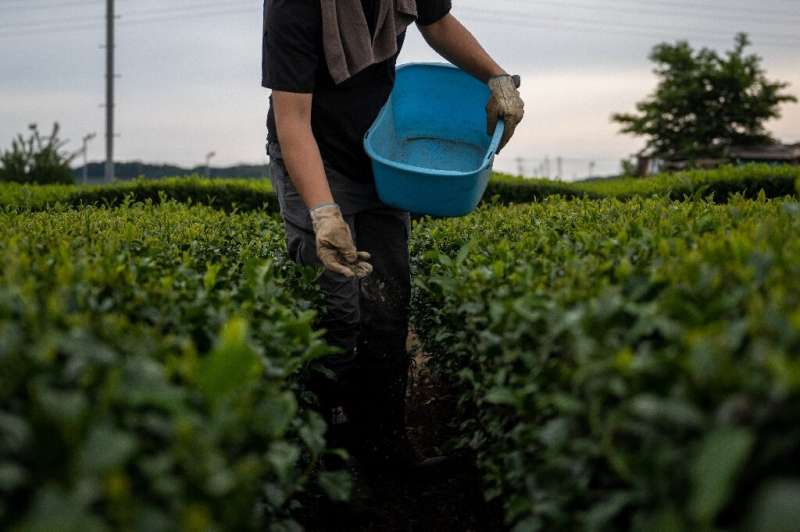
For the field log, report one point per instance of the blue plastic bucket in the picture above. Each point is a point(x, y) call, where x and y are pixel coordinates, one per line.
point(429, 148)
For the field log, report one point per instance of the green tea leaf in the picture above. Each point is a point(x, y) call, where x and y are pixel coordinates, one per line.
point(106, 448)
point(232, 366)
point(715, 468)
point(337, 484)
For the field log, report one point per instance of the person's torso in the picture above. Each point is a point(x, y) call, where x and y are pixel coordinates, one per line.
point(342, 114)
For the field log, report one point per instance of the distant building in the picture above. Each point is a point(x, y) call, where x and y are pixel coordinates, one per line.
point(647, 164)
point(770, 154)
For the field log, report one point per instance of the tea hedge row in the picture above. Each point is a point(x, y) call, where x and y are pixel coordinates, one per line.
point(147, 371)
point(247, 195)
point(624, 365)
point(723, 183)
point(227, 194)
point(746, 180)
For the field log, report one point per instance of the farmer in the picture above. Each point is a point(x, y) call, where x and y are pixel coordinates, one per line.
point(331, 66)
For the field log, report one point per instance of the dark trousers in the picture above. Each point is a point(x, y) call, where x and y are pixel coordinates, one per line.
point(367, 319)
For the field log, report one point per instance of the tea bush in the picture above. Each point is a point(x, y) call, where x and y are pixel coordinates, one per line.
point(506, 189)
point(721, 184)
point(623, 365)
point(228, 194)
point(147, 370)
point(248, 195)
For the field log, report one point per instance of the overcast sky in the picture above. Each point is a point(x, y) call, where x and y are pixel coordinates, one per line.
point(191, 84)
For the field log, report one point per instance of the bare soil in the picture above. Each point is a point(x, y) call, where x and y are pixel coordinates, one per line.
point(449, 501)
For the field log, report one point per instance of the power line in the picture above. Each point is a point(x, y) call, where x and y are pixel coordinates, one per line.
point(717, 11)
point(695, 6)
point(34, 23)
point(570, 26)
point(213, 10)
point(497, 17)
point(193, 7)
point(597, 29)
point(50, 31)
point(638, 10)
point(125, 21)
point(176, 10)
point(698, 6)
point(190, 8)
point(26, 6)
point(517, 15)
point(607, 27)
point(190, 15)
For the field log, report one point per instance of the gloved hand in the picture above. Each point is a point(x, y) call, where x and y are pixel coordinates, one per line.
point(505, 103)
point(335, 247)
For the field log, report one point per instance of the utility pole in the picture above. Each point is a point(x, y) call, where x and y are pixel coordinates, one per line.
point(210, 155)
point(85, 150)
point(591, 169)
point(109, 90)
point(520, 166)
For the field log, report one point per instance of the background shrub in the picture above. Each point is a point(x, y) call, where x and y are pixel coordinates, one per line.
point(249, 195)
point(37, 159)
point(228, 195)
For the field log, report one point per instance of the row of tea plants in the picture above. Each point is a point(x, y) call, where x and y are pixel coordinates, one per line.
point(149, 364)
point(623, 365)
point(246, 195)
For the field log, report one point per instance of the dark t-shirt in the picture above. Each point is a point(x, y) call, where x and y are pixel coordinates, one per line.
point(294, 61)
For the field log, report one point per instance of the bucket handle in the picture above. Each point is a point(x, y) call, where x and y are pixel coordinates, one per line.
point(495, 143)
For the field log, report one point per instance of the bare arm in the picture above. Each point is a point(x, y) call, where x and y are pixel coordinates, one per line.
point(299, 147)
point(455, 43)
point(335, 247)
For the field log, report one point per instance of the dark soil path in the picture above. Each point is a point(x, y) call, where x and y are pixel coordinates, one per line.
point(450, 501)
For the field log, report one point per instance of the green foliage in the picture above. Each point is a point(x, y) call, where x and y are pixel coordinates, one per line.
point(623, 366)
point(148, 371)
point(247, 195)
point(229, 194)
point(628, 167)
point(506, 189)
point(37, 159)
point(705, 102)
point(721, 184)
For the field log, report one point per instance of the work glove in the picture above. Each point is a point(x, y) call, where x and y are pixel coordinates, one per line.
point(335, 247)
point(506, 103)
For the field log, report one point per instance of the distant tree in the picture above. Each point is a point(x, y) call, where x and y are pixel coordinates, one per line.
point(705, 102)
point(38, 159)
point(628, 167)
